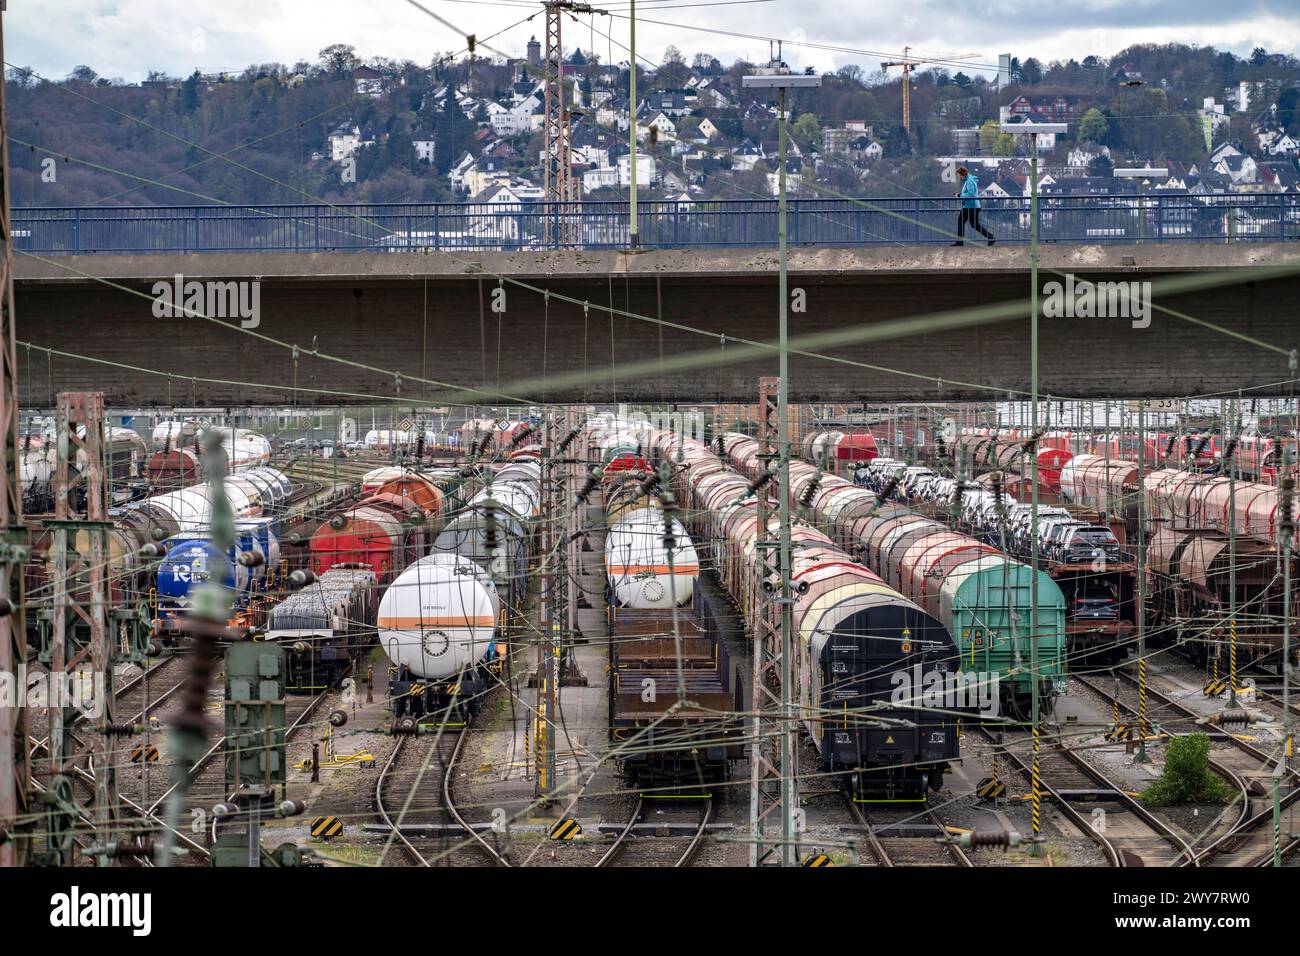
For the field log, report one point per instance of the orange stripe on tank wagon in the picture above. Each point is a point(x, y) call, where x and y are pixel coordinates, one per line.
point(428, 621)
point(656, 568)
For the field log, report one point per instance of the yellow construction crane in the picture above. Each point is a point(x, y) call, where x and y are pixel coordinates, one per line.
point(909, 64)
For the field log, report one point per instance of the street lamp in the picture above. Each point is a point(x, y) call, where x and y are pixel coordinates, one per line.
point(631, 140)
point(1033, 130)
point(781, 80)
point(1141, 173)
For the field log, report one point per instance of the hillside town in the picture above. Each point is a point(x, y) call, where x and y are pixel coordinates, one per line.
point(469, 129)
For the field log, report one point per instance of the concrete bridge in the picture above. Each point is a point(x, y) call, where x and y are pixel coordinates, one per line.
point(922, 323)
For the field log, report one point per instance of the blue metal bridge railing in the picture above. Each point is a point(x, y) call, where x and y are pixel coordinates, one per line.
point(485, 226)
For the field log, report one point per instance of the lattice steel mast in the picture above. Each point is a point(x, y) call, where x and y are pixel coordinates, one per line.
point(15, 773)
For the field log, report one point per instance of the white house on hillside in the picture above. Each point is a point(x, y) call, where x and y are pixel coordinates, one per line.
point(344, 142)
point(423, 143)
point(368, 81)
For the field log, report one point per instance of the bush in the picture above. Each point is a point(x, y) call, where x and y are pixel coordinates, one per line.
point(1187, 777)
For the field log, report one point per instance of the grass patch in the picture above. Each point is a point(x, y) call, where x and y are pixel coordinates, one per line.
point(354, 854)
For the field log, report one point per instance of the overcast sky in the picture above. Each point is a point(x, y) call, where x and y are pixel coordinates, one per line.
point(127, 38)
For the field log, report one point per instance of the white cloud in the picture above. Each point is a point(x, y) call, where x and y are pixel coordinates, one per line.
point(127, 38)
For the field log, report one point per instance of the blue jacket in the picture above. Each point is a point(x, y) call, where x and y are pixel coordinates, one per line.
point(970, 192)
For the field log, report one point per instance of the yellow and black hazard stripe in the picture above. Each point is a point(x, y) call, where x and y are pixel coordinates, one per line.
point(818, 859)
point(565, 830)
point(990, 788)
point(326, 827)
point(1117, 732)
point(144, 753)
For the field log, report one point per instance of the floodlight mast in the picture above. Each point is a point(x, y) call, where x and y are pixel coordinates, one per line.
point(777, 77)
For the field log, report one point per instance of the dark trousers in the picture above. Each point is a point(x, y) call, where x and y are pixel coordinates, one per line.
point(971, 216)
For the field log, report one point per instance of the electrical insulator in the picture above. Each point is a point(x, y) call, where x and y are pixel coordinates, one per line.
point(1287, 486)
point(490, 528)
point(1233, 718)
point(810, 491)
point(760, 481)
point(569, 438)
point(141, 846)
point(587, 488)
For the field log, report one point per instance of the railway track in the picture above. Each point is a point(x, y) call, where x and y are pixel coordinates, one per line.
point(630, 850)
point(414, 792)
point(135, 693)
point(1249, 841)
point(1128, 834)
point(206, 786)
point(899, 850)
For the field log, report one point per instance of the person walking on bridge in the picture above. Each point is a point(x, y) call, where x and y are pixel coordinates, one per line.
point(970, 208)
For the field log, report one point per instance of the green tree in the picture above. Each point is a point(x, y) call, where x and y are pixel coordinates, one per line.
point(672, 72)
point(1100, 165)
point(190, 93)
point(1187, 777)
point(338, 59)
point(1031, 71)
point(1288, 107)
point(989, 132)
point(994, 142)
point(1005, 145)
point(807, 132)
point(449, 134)
point(1093, 126)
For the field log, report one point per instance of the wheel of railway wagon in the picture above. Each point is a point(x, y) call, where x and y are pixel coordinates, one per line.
point(1046, 698)
point(1019, 706)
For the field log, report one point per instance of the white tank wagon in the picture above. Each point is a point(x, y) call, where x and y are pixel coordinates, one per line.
point(516, 489)
point(643, 572)
point(642, 569)
point(440, 619)
point(438, 623)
